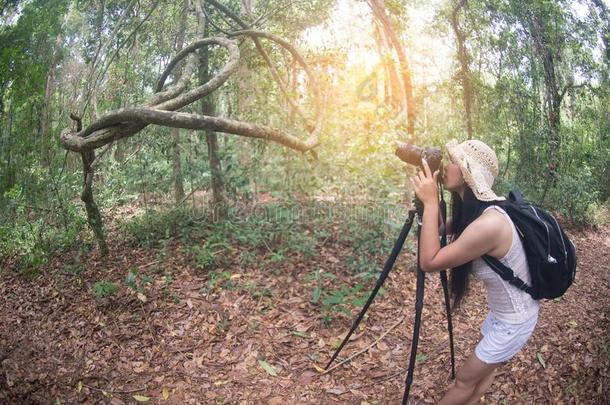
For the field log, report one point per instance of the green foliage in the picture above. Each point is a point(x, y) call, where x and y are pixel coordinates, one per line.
point(103, 289)
point(221, 279)
point(575, 195)
point(332, 298)
point(32, 239)
point(354, 164)
point(136, 281)
point(151, 227)
point(209, 255)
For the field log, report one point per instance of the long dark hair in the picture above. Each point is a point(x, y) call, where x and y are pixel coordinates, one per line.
point(463, 212)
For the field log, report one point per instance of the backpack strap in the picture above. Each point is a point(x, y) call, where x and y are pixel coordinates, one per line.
point(507, 274)
point(516, 196)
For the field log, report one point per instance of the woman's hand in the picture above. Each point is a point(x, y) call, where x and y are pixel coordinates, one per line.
point(425, 185)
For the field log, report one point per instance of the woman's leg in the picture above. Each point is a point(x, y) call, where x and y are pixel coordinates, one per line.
point(481, 389)
point(468, 377)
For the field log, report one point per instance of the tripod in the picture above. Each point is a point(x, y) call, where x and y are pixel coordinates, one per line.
point(419, 292)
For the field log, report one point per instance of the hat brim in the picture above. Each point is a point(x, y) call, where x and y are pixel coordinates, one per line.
point(480, 189)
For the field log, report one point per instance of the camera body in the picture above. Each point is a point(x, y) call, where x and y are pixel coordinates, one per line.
point(413, 154)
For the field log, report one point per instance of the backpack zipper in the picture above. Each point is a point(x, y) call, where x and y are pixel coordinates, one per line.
point(549, 258)
point(565, 251)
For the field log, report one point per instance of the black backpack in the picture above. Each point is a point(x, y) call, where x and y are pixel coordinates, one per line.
point(551, 256)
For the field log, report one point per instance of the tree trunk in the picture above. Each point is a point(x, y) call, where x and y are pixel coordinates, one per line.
point(94, 216)
point(9, 180)
point(552, 95)
point(207, 108)
point(48, 93)
point(175, 132)
point(605, 34)
point(393, 92)
point(379, 11)
point(384, 65)
point(177, 166)
point(44, 124)
point(464, 58)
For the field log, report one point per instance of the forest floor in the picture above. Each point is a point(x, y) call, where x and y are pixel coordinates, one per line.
point(255, 336)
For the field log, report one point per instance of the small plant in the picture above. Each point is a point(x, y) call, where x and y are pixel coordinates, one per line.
point(303, 243)
point(362, 264)
point(317, 277)
point(221, 279)
point(210, 254)
point(336, 300)
point(103, 289)
point(277, 256)
point(257, 292)
point(420, 358)
point(247, 258)
point(205, 258)
point(137, 282)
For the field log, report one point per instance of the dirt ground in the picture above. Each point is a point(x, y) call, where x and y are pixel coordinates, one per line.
point(191, 344)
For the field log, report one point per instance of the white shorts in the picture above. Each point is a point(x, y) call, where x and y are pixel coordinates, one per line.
point(501, 340)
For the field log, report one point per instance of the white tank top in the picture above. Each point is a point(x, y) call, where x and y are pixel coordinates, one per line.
point(507, 302)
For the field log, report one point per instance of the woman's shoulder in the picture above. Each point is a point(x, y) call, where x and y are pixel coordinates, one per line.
point(492, 216)
point(491, 223)
point(486, 225)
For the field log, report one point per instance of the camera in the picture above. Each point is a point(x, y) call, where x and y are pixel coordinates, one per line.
point(413, 154)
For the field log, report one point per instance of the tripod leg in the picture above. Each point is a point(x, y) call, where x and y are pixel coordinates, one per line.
point(443, 208)
point(449, 322)
point(419, 304)
point(384, 274)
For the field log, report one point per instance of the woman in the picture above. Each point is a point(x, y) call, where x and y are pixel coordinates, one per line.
point(478, 226)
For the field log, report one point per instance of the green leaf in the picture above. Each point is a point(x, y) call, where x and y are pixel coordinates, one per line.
point(301, 334)
point(336, 298)
point(315, 297)
point(360, 301)
point(268, 368)
point(540, 359)
point(141, 398)
point(420, 358)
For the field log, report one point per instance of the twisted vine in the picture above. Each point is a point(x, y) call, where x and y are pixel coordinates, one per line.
point(162, 108)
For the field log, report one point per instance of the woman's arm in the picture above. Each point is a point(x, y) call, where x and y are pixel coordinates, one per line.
point(478, 238)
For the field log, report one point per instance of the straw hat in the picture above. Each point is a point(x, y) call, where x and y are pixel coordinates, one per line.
point(479, 166)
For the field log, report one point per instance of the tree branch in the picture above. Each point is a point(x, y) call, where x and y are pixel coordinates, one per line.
point(143, 116)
